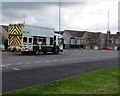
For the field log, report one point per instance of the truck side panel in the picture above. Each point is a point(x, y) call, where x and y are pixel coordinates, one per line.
point(38, 31)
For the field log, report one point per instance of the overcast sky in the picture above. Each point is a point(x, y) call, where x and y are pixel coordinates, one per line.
point(91, 15)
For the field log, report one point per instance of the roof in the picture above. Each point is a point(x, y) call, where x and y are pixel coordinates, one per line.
point(5, 27)
point(115, 36)
point(59, 32)
point(93, 35)
point(76, 33)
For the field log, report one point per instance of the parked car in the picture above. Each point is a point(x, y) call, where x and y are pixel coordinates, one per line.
point(2, 47)
point(107, 48)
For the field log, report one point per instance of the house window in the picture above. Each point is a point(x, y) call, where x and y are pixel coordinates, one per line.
point(75, 41)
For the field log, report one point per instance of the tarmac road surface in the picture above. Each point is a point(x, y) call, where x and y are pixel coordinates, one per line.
point(21, 71)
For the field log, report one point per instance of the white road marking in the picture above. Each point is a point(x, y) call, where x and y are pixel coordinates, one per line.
point(5, 65)
point(16, 69)
point(18, 63)
point(2, 65)
point(55, 60)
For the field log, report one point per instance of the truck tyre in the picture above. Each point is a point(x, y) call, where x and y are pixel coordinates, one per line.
point(56, 50)
point(24, 52)
point(35, 50)
point(44, 52)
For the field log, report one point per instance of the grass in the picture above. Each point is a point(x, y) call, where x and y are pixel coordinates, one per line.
point(4, 51)
point(103, 81)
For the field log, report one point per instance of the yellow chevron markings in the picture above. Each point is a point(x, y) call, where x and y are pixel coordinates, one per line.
point(15, 30)
point(11, 42)
point(11, 39)
point(11, 31)
point(17, 42)
point(19, 29)
point(18, 39)
point(10, 28)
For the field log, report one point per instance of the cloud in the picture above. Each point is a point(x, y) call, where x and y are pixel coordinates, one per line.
point(35, 13)
point(90, 16)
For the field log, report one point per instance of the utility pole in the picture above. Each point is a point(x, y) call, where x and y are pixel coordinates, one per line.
point(24, 19)
point(108, 32)
point(59, 16)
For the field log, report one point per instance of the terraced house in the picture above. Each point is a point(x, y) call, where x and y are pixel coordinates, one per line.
point(74, 39)
point(83, 39)
point(3, 33)
point(94, 40)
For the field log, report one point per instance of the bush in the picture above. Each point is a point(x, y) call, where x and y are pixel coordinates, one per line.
point(118, 47)
point(6, 44)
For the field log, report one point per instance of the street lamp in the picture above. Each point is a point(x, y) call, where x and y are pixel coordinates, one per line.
point(59, 16)
point(108, 32)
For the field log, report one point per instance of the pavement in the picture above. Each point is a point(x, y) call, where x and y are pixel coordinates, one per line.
point(21, 71)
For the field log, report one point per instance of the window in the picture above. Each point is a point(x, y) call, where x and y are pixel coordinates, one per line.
point(44, 41)
point(30, 40)
point(51, 41)
point(35, 40)
point(25, 40)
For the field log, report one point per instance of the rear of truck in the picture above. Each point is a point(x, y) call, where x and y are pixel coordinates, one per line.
point(15, 37)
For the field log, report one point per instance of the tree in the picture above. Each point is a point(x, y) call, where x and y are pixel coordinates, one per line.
point(6, 44)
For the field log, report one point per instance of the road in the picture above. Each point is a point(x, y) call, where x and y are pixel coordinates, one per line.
point(21, 71)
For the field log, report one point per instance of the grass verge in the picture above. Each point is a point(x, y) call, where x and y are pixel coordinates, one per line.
point(103, 81)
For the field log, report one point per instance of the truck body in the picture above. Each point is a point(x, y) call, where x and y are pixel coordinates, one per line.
point(33, 39)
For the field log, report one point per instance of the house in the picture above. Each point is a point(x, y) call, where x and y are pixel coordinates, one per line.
point(114, 40)
point(94, 40)
point(3, 33)
point(73, 39)
point(117, 40)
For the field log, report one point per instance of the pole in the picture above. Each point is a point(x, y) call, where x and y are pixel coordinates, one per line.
point(24, 19)
point(108, 31)
point(108, 20)
point(59, 16)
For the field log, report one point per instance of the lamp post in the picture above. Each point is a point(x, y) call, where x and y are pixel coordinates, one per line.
point(24, 19)
point(108, 32)
point(59, 16)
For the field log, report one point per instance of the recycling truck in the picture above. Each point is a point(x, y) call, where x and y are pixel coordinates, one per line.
point(33, 39)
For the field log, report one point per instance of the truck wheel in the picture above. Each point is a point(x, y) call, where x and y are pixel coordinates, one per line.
point(35, 51)
point(24, 53)
point(56, 50)
point(44, 52)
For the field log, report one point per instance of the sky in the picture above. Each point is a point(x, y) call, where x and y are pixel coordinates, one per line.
point(81, 15)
